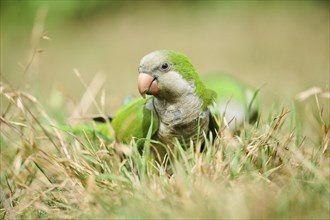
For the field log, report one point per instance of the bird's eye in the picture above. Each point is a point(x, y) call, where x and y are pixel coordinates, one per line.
point(165, 66)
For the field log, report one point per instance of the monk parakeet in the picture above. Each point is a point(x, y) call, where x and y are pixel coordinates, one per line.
point(177, 104)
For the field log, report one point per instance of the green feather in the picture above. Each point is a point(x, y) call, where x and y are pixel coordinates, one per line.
point(134, 120)
point(229, 88)
point(182, 64)
point(226, 86)
point(101, 130)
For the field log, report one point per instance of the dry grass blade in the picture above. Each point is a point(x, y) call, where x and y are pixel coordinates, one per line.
point(6, 205)
point(89, 95)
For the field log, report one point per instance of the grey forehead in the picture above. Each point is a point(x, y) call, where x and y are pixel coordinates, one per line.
point(153, 58)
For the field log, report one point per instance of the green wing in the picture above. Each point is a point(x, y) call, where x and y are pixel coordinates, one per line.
point(233, 96)
point(134, 120)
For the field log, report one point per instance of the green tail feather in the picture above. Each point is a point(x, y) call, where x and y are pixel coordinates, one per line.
point(101, 130)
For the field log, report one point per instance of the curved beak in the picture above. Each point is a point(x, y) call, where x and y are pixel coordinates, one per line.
point(147, 84)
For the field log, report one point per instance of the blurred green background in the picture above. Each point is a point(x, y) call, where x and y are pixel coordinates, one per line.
point(282, 46)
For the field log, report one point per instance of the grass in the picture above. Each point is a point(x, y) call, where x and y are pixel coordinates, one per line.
point(268, 170)
point(276, 168)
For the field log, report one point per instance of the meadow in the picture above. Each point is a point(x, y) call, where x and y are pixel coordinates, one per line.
point(63, 62)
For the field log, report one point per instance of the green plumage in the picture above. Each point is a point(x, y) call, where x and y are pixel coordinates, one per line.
point(134, 120)
point(226, 86)
point(230, 89)
point(101, 130)
point(183, 65)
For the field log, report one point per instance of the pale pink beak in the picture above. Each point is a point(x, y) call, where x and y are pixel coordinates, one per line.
point(147, 84)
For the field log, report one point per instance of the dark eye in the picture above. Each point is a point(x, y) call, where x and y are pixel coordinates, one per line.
point(165, 66)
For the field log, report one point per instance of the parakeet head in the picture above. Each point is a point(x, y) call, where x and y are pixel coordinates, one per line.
point(168, 75)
